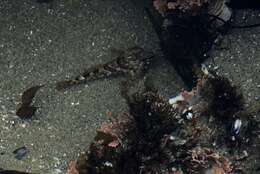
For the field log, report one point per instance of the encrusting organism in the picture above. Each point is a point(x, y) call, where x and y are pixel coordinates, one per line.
point(180, 135)
point(157, 137)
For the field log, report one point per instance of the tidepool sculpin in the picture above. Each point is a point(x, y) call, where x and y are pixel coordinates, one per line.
point(131, 62)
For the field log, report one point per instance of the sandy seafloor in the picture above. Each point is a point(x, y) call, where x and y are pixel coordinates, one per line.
point(44, 43)
point(238, 59)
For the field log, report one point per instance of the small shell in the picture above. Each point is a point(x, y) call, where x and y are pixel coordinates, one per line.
point(81, 77)
point(237, 126)
point(204, 69)
point(174, 100)
point(189, 116)
point(108, 164)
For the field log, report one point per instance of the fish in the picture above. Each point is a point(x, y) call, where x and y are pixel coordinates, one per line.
point(132, 63)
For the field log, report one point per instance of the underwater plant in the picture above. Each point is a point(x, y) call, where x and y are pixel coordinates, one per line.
point(188, 29)
point(194, 7)
point(189, 6)
point(186, 134)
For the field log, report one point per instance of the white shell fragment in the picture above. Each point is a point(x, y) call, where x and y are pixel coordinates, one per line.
point(81, 78)
point(237, 126)
point(189, 116)
point(204, 69)
point(174, 100)
point(108, 164)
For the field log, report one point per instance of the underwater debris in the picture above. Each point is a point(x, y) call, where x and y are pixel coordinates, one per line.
point(132, 62)
point(26, 110)
point(20, 153)
point(204, 159)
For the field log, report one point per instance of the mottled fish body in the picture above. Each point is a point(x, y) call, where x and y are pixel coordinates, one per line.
point(132, 62)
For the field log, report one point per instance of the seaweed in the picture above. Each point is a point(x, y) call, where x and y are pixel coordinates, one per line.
point(118, 145)
point(188, 6)
point(185, 41)
point(156, 136)
point(224, 99)
point(187, 30)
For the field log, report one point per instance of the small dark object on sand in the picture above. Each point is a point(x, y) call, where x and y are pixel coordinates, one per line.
point(20, 153)
point(26, 111)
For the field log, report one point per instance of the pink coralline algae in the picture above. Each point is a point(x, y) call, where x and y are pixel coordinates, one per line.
point(160, 137)
point(191, 6)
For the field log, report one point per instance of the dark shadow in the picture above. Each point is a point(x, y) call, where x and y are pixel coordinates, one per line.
point(244, 4)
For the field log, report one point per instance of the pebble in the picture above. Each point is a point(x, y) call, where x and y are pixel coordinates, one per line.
point(20, 153)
